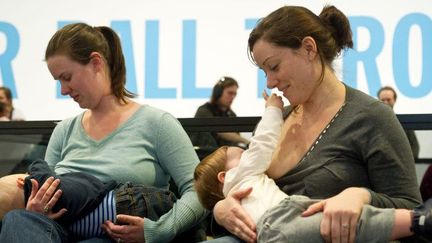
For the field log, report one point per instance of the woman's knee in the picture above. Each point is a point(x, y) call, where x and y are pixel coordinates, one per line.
point(12, 217)
point(24, 218)
point(18, 219)
point(15, 215)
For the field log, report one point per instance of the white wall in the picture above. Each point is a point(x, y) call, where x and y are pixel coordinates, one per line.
point(221, 32)
point(219, 48)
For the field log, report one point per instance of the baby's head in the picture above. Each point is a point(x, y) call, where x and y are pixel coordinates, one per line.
point(209, 175)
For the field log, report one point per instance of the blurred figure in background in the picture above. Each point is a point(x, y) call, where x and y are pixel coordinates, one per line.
point(388, 95)
point(223, 95)
point(12, 113)
point(3, 114)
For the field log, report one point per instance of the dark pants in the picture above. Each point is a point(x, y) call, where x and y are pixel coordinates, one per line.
point(143, 201)
point(136, 200)
point(152, 202)
point(81, 192)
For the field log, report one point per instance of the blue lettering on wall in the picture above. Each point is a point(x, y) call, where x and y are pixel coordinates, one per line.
point(11, 50)
point(189, 89)
point(400, 55)
point(123, 29)
point(368, 57)
point(152, 90)
point(351, 60)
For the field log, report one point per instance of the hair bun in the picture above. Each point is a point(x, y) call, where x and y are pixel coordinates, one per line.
point(339, 26)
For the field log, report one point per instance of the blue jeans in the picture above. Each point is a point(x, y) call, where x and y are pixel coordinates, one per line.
point(140, 201)
point(143, 201)
point(38, 228)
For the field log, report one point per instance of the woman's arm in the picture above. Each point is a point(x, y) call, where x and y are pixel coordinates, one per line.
point(390, 168)
point(173, 155)
point(55, 144)
point(177, 158)
point(230, 214)
point(390, 162)
point(340, 214)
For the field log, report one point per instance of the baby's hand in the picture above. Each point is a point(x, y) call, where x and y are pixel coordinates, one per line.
point(273, 100)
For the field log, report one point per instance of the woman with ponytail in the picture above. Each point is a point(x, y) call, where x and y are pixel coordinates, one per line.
point(337, 143)
point(114, 139)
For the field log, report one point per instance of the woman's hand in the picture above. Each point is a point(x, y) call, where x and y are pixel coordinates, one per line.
point(127, 229)
point(230, 214)
point(43, 200)
point(340, 214)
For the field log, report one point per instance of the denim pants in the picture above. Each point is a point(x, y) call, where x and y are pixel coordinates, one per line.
point(20, 225)
point(143, 201)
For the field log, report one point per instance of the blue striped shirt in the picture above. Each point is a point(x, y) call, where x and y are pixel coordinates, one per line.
point(90, 225)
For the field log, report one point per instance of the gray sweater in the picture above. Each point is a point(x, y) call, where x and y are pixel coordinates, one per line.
point(364, 146)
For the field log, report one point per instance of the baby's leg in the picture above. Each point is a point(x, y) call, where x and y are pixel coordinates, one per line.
point(11, 196)
point(284, 223)
point(143, 201)
point(375, 224)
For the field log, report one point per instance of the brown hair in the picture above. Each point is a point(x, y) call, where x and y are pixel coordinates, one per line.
point(387, 88)
point(7, 108)
point(207, 185)
point(289, 25)
point(79, 40)
point(220, 86)
point(7, 93)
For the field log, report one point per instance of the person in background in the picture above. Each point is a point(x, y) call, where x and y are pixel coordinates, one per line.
point(115, 138)
point(3, 113)
point(388, 95)
point(222, 97)
point(337, 142)
point(13, 113)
